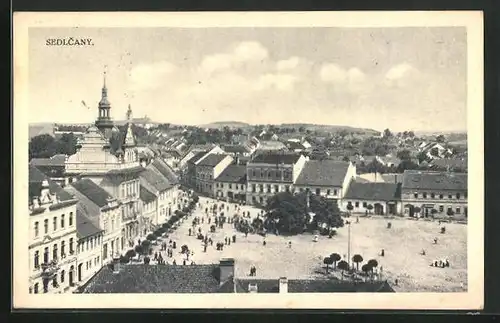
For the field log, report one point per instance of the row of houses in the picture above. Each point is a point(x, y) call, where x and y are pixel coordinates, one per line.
point(92, 206)
point(414, 193)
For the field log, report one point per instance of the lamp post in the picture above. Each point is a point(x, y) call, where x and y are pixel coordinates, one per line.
point(349, 243)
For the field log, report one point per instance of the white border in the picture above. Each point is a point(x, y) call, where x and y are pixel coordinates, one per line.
point(472, 20)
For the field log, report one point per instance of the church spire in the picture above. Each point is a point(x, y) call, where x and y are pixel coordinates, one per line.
point(129, 113)
point(104, 122)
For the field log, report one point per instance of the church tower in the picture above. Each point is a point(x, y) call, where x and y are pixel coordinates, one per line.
point(104, 122)
point(129, 113)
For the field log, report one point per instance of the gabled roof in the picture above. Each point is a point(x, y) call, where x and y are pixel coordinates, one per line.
point(145, 195)
point(155, 279)
point(212, 160)
point(323, 173)
point(92, 191)
point(237, 149)
point(165, 170)
point(197, 157)
point(84, 227)
point(314, 286)
point(155, 179)
point(373, 191)
point(275, 158)
point(434, 180)
point(233, 174)
point(35, 179)
point(460, 163)
point(56, 160)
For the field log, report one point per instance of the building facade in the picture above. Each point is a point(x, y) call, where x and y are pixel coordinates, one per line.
point(230, 185)
point(426, 193)
point(208, 169)
point(373, 198)
point(89, 248)
point(52, 238)
point(271, 173)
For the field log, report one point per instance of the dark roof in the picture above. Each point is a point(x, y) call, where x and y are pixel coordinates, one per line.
point(275, 158)
point(294, 145)
point(314, 286)
point(92, 191)
point(197, 156)
point(155, 279)
point(434, 180)
point(392, 178)
point(56, 160)
point(36, 177)
point(236, 149)
point(155, 179)
point(323, 173)
point(84, 227)
point(212, 160)
point(233, 174)
point(373, 191)
point(165, 170)
point(450, 162)
point(145, 195)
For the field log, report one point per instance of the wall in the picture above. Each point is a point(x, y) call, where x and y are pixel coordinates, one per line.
point(62, 240)
point(445, 202)
point(362, 209)
point(89, 259)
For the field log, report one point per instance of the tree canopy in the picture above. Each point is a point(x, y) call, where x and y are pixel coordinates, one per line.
point(289, 213)
point(46, 146)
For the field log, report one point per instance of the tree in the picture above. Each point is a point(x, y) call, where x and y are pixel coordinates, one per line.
point(335, 257)
point(387, 133)
point(357, 259)
point(42, 146)
point(327, 261)
point(343, 265)
point(404, 154)
point(350, 207)
point(411, 134)
point(326, 211)
point(435, 152)
point(345, 158)
point(406, 165)
point(370, 208)
point(440, 139)
point(366, 269)
point(373, 263)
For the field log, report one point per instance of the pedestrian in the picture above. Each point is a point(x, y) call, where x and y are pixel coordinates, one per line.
point(435, 240)
point(189, 231)
point(289, 244)
point(264, 242)
point(228, 242)
point(205, 247)
point(396, 282)
point(234, 238)
point(225, 240)
point(202, 220)
point(382, 252)
point(174, 262)
point(184, 262)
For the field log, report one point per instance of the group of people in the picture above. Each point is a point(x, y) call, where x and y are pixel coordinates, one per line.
point(440, 263)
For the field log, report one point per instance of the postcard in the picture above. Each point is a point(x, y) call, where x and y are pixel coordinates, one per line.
point(248, 160)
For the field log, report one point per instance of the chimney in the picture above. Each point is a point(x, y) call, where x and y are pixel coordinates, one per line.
point(283, 285)
point(253, 288)
point(226, 269)
point(116, 264)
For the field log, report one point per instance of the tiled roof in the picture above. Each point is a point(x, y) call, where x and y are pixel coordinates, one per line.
point(275, 158)
point(155, 179)
point(373, 191)
point(155, 279)
point(197, 156)
point(236, 149)
point(92, 191)
point(323, 173)
point(84, 227)
point(56, 160)
point(434, 180)
point(392, 178)
point(314, 286)
point(165, 170)
point(233, 174)
point(36, 177)
point(450, 162)
point(145, 195)
point(212, 160)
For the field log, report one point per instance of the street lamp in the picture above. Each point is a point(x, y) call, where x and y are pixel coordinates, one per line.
point(349, 244)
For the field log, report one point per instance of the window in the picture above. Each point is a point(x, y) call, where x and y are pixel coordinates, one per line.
point(54, 252)
point(441, 208)
point(465, 195)
point(433, 195)
point(36, 229)
point(70, 218)
point(318, 191)
point(87, 248)
point(328, 192)
point(62, 221)
point(415, 195)
point(457, 211)
point(450, 196)
point(364, 204)
point(356, 204)
point(63, 274)
point(334, 192)
point(253, 199)
point(98, 259)
point(288, 189)
point(261, 188)
point(54, 223)
point(123, 191)
point(91, 243)
point(458, 196)
point(37, 259)
point(230, 186)
point(424, 195)
point(63, 251)
point(87, 265)
point(441, 196)
point(46, 255)
point(105, 251)
point(450, 210)
point(253, 173)
point(268, 188)
point(45, 286)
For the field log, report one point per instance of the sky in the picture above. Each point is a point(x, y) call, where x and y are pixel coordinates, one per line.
point(397, 78)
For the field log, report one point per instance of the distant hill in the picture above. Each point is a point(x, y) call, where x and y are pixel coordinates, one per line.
point(329, 128)
point(222, 124)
